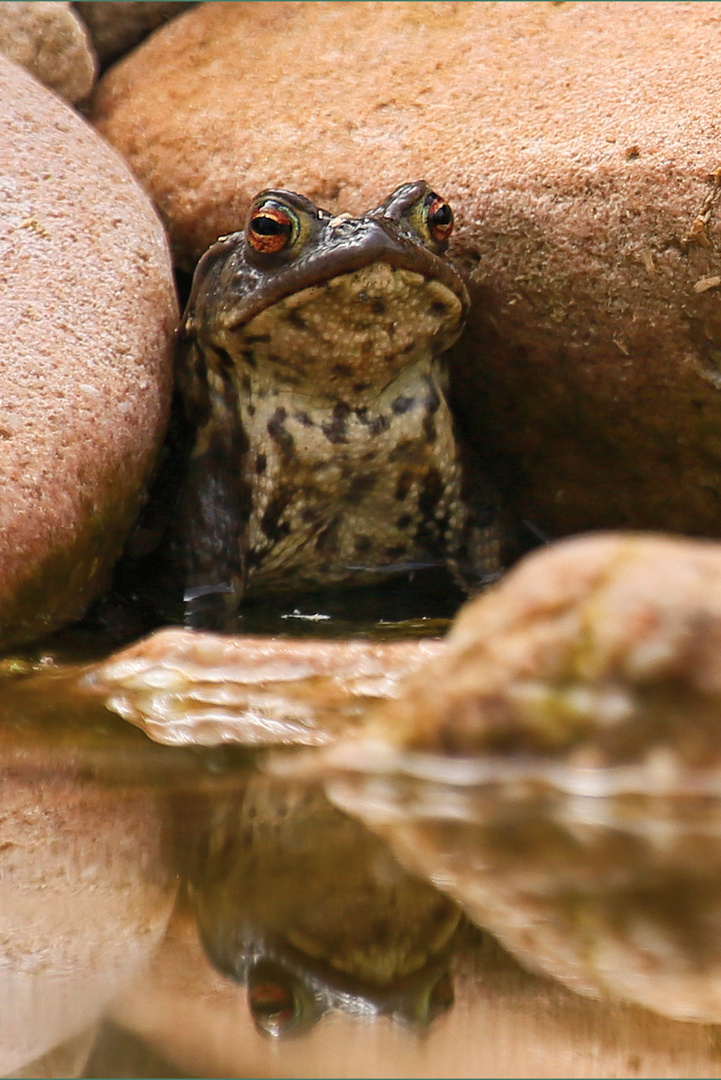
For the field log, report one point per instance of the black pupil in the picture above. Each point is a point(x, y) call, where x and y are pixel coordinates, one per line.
point(265, 225)
point(442, 215)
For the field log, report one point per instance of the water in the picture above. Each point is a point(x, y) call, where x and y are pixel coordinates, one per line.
point(187, 911)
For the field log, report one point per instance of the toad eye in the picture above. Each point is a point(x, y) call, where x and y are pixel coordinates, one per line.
point(432, 219)
point(271, 227)
point(439, 218)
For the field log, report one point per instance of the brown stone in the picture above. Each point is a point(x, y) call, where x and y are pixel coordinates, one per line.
point(579, 146)
point(50, 40)
point(85, 328)
point(185, 687)
point(607, 646)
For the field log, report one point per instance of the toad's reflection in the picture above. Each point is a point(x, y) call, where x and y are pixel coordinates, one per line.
point(310, 910)
point(616, 896)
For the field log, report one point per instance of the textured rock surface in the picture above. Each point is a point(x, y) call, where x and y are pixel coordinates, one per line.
point(88, 308)
point(579, 145)
point(116, 25)
point(51, 41)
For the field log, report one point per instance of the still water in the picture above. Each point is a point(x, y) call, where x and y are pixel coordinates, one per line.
point(198, 911)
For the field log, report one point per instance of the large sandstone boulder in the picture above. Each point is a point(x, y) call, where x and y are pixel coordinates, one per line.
point(579, 144)
point(87, 314)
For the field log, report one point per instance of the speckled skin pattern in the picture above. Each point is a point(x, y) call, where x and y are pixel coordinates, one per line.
point(324, 448)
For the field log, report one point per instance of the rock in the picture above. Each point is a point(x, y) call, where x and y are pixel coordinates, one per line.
point(597, 652)
point(85, 325)
point(51, 41)
point(187, 688)
point(558, 769)
point(616, 896)
point(604, 649)
point(577, 146)
point(116, 25)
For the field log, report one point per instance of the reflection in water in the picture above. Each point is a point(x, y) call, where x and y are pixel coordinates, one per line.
point(304, 914)
point(86, 891)
point(615, 896)
point(310, 910)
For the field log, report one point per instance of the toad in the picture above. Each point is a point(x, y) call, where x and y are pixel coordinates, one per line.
point(324, 451)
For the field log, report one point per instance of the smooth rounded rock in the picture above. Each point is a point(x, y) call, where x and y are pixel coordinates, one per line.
point(50, 40)
point(86, 319)
point(578, 146)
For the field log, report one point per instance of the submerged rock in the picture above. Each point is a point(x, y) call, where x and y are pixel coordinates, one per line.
point(567, 138)
point(85, 329)
point(86, 891)
point(554, 766)
point(615, 896)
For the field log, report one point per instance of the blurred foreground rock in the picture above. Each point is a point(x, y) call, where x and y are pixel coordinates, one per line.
point(558, 769)
point(598, 652)
point(601, 654)
point(86, 323)
point(554, 766)
point(188, 688)
point(579, 147)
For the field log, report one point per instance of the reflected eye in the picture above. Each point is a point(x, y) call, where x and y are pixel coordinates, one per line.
point(271, 227)
point(272, 1006)
point(439, 217)
point(280, 1003)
